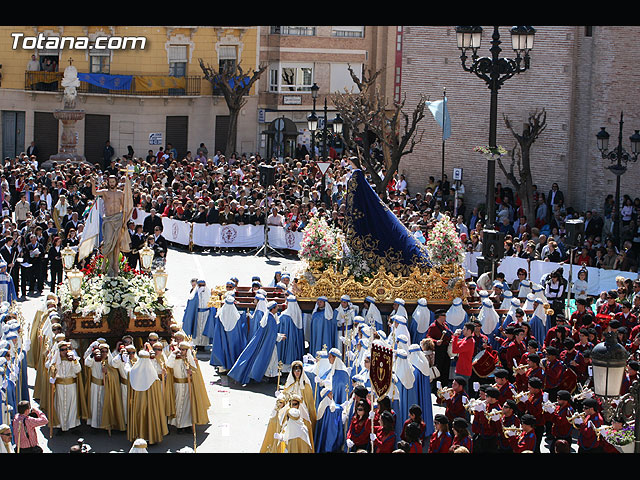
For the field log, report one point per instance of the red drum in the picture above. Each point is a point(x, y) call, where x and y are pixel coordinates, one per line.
point(484, 363)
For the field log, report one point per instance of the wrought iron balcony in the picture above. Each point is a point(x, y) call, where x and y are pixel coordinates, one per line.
point(129, 84)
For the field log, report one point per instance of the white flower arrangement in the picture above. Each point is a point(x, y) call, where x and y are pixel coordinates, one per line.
point(101, 295)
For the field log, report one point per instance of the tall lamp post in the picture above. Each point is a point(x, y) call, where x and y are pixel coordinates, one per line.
point(609, 359)
point(494, 71)
point(313, 118)
point(619, 159)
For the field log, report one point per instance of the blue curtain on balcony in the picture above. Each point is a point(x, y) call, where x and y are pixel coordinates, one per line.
point(110, 82)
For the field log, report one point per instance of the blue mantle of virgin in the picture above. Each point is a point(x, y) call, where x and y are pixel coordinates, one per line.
point(374, 231)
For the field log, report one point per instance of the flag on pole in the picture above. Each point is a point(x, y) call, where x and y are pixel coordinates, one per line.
point(440, 112)
point(92, 233)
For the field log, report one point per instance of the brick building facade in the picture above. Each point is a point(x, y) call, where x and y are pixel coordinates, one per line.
point(582, 76)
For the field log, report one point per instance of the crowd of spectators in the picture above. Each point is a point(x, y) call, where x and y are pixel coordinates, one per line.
point(47, 208)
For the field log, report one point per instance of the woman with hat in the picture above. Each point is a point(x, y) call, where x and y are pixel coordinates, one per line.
point(461, 437)
point(441, 439)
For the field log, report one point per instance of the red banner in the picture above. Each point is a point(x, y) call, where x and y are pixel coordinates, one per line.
point(381, 369)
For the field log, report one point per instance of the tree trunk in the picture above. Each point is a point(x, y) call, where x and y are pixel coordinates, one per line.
point(232, 135)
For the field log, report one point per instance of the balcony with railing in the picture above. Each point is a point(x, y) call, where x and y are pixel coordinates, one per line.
point(129, 84)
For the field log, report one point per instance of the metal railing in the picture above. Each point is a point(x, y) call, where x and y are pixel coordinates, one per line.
point(52, 82)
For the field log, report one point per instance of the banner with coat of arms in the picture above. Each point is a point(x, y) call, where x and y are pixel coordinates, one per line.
point(176, 231)
point(228, 235)
point(381, 371)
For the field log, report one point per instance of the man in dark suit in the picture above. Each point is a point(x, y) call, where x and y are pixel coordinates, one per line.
point(32, 150)
point(593, 224)
point(212, 213)
point(137, 242)
point(9, 254)
point(554, 198)
point(160, 241)
point(35, 256)
point(151, 222)
point(72, 223)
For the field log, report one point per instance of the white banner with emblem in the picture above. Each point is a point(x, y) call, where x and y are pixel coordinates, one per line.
point(176, 231)
point(280, 237)
point(232, 236)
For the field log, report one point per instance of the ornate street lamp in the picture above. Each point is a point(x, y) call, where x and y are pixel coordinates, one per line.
point(68, 257)
point(494, 71)
point(75, 277)
point(619, 159)
point(146, 257)
point(609, 359)
point(160, 280)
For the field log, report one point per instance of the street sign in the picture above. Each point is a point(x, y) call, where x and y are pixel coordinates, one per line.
point(457, 174)
point(324, 166)
point(155, 138)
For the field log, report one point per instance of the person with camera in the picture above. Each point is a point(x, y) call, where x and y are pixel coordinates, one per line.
point(25, 423)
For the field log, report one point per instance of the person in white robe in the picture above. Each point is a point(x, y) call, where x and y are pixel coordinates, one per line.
point(97, 389)
point(177, 362)
point(67, 368)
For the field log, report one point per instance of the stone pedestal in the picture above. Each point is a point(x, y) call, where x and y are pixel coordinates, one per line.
point(69, 141)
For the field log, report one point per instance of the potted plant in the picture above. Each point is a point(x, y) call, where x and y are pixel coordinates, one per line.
point(622, 439)
point(491, 153)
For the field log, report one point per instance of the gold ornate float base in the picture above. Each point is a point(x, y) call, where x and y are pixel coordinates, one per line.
point(439, 285)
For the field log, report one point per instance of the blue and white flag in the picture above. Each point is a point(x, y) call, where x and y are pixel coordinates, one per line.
point(440, 112)
point(92, 233)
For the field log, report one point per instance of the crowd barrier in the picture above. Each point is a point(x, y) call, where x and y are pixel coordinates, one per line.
point(229, 236)
point(598, 279)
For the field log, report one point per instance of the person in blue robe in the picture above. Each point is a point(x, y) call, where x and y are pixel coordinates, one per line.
point(323, 331)
point(19, 348)
point(329, 434)
point(422, 372)
point(257, 357)
point(456, 315)
point(405, 391)
point(372, 315)
point(421, 318)
point(317, 371)
point(292, 347)
point(191, 312)
point(255, 317)
point(229, 336)
point(538, 321)
point(338, 377)
point(7, 287)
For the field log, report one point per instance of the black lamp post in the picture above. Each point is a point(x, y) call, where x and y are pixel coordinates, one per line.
point(494, 71)
point(619, 159)
point(609, 359)
point(313, 118)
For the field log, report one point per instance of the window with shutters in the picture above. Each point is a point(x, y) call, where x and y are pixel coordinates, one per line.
point(346, 31)
point(178, 57)
point(299, 31)
point(227, 57)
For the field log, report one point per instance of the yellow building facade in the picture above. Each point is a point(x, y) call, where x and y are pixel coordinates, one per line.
point(141, 86)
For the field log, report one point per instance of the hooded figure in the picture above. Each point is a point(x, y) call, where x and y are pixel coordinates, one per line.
point(490, 321)
point(421, 318)
point(456, 315)
point(323, 331)
point(538, 321)
point(146, 415)
point(292, 347)
point(407, 391)
point(507, 296)
point(229, 336)
point(329, 432)
point(372, 315)
point(525, 288)
point(422, 374)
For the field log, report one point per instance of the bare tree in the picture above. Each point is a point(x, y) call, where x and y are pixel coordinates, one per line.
point(367, 119)
point(521, 158)
point(235, 85)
